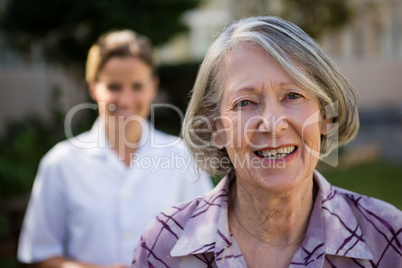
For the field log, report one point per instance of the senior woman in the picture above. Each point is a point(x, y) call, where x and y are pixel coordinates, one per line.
point(266, 105)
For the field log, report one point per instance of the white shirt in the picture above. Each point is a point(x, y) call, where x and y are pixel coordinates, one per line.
point(89, 206)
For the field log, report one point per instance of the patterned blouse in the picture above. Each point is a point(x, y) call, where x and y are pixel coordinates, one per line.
point(345, 230)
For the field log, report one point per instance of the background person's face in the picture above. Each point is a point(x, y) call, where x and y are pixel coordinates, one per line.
point(263, 122)
point(125, 87)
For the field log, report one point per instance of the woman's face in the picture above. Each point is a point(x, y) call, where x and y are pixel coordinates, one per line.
point(125, 89)
point(270, 126)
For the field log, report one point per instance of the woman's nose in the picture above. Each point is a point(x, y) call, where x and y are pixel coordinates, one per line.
point(126, 97)
point(273, 119)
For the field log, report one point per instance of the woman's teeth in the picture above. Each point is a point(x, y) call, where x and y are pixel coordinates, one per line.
point(276, 153)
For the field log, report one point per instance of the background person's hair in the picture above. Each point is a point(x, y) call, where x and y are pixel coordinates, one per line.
point(123, 43)
point(298, 55)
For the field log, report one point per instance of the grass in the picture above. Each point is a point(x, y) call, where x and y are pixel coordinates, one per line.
point(10, 262)
point(378, 179)
point(5, 228)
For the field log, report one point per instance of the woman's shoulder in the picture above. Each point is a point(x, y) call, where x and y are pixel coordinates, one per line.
point(358, 226)
point(182, 221)
point(175, 217)
point(65, 150)
point(167, 226)
point(380, 222)
point(379, 226)
point(359, 203)
point(181, 230)
point(165, 140)
point(369, 204)
point(373, 215)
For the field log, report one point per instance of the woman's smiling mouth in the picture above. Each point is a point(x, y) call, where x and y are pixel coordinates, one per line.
point(276, 153)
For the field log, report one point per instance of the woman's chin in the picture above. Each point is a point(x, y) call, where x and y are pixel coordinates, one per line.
point(279, 181)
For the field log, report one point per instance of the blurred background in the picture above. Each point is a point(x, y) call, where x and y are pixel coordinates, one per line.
point(43, 47)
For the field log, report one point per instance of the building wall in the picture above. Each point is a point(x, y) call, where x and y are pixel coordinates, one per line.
point(27, 90)
point(26, 86)
point(368, 50)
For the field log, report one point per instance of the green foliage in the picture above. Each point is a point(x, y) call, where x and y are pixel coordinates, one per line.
point(67, 28)
point(9, 262)
point(24, 143)
point(317, 16)
point(379, 179)
point(178, 80)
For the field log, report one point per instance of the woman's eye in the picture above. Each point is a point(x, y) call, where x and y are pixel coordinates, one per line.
point(113, 87)
point(242, 103)
point(294, 96)
point(138, 86)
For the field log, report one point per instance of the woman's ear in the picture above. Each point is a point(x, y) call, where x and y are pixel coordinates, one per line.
point(326, 125)
point(155, 85)
point(92, 91)
point(218, 133)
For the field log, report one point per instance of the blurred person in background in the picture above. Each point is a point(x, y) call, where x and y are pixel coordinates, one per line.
point(267, 103)
point(95, 194)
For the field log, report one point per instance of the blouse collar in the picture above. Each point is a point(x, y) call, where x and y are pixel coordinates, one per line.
point(333, 228)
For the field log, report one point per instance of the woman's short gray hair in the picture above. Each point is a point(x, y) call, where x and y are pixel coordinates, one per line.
point(299, 56)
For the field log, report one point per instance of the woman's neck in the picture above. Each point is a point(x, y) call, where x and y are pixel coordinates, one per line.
point(275, 219)
point(124, 140)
